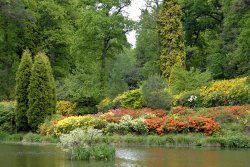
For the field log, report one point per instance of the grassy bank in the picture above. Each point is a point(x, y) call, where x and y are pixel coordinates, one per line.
point(27, 138)
point(171, 140)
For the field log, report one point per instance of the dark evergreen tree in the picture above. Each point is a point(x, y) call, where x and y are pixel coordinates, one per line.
point(41, 90)
point(22, 83)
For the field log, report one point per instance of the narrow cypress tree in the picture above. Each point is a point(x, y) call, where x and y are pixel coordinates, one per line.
point(22, 83)
point(41, 90)
point(172, 38)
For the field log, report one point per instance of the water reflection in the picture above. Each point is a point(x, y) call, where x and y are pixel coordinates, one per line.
point(50, 156)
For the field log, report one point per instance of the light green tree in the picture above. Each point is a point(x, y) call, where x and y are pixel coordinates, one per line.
point(172, 37)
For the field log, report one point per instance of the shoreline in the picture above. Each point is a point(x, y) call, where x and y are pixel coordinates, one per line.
point(169, 141)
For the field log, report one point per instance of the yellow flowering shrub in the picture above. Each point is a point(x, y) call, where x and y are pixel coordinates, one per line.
point(70, 123)
point(226, 92)
point(65, 108)
point(225, 86)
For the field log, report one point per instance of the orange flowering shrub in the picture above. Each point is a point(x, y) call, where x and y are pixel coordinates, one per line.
point(157, 124)
point(205, 125)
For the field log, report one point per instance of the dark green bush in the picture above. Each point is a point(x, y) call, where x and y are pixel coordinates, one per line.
point(155, 94)
point(83, 110)
point(22, 83)
point(7, 117)
point(215, 99)
point(42, 101)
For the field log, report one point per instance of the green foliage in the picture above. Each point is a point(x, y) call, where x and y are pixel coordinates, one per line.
point(42, 101)
point(7, 117)
point(32, 137)
point(182, 80)
point(130, 99)
point(188, 99)
point(105, 105)
point(148, 58)
point(172, 38)
point(155, 94)
point(22, 84)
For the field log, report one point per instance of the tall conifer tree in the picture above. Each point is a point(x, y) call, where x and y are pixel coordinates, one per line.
point(172, 38)
point(22, 83)
point(42, 99)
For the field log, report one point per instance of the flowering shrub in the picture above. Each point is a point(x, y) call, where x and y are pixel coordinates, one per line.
point(65, 108)
point(68, 124)
point(116, 114)
point(224, 86)
point(226, 92)
point(157, 124)
point(183, 124)
point(206, 125)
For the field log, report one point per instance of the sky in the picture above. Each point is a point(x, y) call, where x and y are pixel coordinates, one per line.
point(134, 13)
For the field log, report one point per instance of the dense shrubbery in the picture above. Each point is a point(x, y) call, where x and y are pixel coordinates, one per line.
point(128, 99)
point(219, 93)
point(152, 121)
point(182, 80)
point(226, 92)
point(70, 123)
point(65, 108)
point(7, 116)
point(188, 99)
point(155, 94)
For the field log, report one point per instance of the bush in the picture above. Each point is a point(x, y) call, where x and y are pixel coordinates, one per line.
point(22, 83)
point(42, 100)
point(215, 99)
point(105, 105)
point(181, 80)
point(7, 117)
point(154, 93)
point(68, 124)
point(48, 127)
point(84, 110)
point(226, 92)
point(188, 99)
point(80, 145)
point(129, 99)
point(32, 137)
point(65, 108)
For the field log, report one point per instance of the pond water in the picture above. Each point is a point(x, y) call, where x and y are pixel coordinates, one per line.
point(17, 155)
